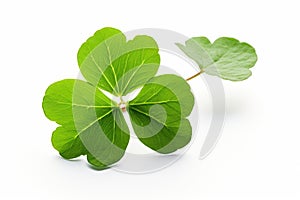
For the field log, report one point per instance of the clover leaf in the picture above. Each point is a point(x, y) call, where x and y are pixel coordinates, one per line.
point(115, 65)
point(92, 124)
point(226, 58)
point(159, 112)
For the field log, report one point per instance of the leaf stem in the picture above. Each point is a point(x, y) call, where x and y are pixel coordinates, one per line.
point(123, 109)
point(195, 75)
point(122, 104)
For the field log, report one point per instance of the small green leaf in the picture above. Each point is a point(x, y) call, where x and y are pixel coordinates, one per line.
point(90, 122)
point(226, 57)
point(158, 114)
point(106, 60)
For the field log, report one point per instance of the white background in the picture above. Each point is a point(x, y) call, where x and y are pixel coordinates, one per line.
point(258, 154)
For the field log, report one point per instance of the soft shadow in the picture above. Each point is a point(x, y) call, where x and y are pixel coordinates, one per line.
point(97, 168)
point(145, 163)
point(72, 160)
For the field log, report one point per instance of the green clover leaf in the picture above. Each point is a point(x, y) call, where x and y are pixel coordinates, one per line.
point(92, 124)
point(108, 61)
point(88, 119)
point(158, 114)
point(226, 58)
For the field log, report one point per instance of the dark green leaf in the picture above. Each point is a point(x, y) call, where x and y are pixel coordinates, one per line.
point(117, 66)
point(158, 114)
point(90, 122)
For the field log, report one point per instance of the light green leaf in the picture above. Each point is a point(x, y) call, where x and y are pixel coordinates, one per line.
point(108, 61)
point(158, 114)
point(90, 122)
point(226, 57)
point(99, 37)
